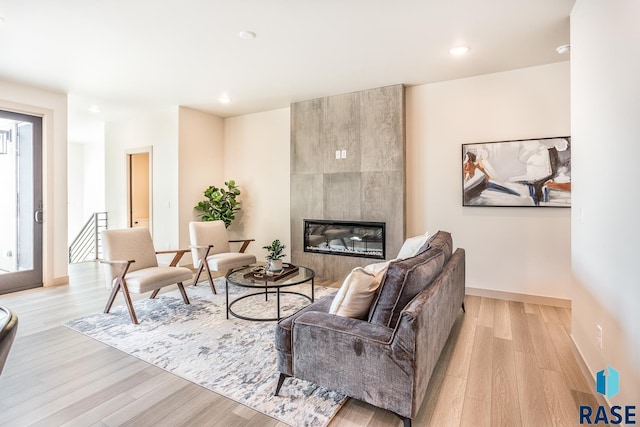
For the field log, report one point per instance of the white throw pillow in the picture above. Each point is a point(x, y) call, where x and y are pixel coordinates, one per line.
point(355, 295)
point(378, 269)
point(412, 245)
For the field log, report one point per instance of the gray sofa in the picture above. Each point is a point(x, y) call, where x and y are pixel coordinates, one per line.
point(386, 359)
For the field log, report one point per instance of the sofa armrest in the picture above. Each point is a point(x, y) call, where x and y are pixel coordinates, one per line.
point(354, 357)
point(347, 326)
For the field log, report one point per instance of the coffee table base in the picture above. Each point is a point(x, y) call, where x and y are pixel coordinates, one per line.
point(266, 292)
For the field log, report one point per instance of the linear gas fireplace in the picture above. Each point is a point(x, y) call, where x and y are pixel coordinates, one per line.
point(347, 238)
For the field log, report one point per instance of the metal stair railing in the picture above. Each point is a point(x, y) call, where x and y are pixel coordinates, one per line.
point(87, 246)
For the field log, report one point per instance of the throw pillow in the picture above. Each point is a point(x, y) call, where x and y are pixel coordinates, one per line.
point(441, 240)
point(355, 295)
point(403, 281)
point(378, 269)
point(412, 245)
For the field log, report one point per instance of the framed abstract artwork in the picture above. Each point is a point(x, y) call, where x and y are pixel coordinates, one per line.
point(525, 172)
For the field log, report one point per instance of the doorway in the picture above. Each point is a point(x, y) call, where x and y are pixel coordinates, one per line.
point(21, 213)
point(139, 180)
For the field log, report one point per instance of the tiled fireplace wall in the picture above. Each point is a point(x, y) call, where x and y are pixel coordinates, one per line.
point(367, 185)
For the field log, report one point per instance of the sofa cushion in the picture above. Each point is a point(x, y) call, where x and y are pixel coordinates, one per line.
point(412, 245)
point(403, 281)
point(356, 294)
point(441, 240)
point(283, 328)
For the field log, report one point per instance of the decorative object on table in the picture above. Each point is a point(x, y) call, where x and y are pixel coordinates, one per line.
point(220, 204)
point(260, 273)
point(274, 257)
point(235, 358)
point(528, 172)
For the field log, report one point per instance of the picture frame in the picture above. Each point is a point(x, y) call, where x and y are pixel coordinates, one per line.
point(517, 173)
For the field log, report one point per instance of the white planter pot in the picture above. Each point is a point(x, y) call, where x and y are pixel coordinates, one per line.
point(275, 265)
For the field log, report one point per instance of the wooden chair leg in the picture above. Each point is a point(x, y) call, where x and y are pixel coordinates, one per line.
point(127, 299)
point(213, 287)
point(154, 293)
point(463, 309)
point(184, 293)
point(197, 276)
point(112, 296)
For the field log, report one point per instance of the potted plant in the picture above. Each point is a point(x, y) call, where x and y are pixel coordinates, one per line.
point(275, 255)
point(220, 203)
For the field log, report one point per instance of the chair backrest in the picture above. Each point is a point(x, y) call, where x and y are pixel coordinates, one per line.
point(8, 329)
point(127, 244)
point(208, 233)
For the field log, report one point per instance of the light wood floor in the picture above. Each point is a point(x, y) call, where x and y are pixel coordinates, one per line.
point(505, 364)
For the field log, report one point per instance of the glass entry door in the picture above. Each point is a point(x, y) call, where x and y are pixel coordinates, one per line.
point(20, 201)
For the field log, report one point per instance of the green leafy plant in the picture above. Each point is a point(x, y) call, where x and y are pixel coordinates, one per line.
point(275, 250)
point(220, 203)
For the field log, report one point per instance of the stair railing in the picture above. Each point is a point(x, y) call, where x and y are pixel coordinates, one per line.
point(87, 246)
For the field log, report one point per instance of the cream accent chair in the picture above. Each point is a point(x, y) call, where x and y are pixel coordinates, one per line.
point(131, 265)
point(211, 251)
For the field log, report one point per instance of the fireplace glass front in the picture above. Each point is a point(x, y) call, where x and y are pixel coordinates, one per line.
point(347, 238)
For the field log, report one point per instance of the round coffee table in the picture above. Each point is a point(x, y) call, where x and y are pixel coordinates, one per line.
point(267, 285)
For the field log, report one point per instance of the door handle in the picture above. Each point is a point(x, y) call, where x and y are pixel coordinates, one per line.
point(37, 216)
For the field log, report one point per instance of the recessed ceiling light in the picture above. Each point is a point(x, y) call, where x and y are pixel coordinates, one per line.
point(247, 35)
point(224, 99)
point(459, 50)
point(94, 109)
point(563, 49)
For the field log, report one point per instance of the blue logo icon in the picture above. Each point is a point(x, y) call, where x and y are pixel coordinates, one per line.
point(608, 384)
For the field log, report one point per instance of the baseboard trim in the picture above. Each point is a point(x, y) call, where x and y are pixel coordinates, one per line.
point(588, 373)
point(56, 281)
point(512, 296)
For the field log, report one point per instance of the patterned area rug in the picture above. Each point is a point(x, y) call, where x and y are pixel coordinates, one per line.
point(235, 358)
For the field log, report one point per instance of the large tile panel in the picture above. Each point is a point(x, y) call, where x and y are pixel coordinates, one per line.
point(382, 129)
point(383, 200)
point(342, 196)
point(307, 201)
point(341, 131)
point(306, 137)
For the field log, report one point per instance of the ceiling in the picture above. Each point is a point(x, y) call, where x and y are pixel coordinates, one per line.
point(133, 55)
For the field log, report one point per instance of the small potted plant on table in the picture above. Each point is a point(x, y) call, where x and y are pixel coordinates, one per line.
point(274, 257)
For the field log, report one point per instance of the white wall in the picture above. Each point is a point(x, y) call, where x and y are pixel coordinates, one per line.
point(86, 165)
point(519, 250)
point(53, 108)
point(94, 184)
point(605, 234)
point(257, 148)
point(75, 189)
point(200, 163)
point(158, 129)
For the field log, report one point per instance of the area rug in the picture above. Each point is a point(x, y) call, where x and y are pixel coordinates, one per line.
point(235, 358)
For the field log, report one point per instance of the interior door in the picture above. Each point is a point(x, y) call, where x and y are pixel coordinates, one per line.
point(21, 213)
point(139, 189)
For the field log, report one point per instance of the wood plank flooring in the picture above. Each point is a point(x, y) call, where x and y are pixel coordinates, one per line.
point(505, 364)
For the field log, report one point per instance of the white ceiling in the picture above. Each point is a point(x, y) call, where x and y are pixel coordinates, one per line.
point(127, 55)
